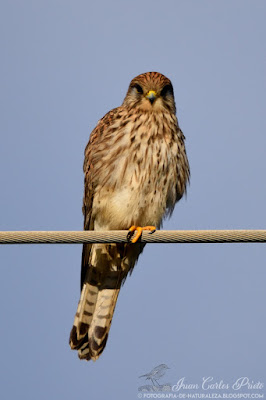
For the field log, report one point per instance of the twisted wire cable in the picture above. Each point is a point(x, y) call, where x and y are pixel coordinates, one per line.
point(160, 236)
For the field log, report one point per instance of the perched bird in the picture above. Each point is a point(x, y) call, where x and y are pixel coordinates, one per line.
point(135, 169)
point(156, 373)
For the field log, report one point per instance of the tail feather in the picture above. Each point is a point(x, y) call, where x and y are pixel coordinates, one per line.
point(94, 316)
point(97, 333)
point(84, 314)
point(103, 272)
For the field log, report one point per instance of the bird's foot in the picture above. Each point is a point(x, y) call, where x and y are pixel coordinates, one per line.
point(139, 230)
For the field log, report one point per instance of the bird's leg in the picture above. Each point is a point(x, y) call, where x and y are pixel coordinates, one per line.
point(139, 230)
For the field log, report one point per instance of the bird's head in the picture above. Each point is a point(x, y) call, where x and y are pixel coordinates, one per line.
point(151, 91)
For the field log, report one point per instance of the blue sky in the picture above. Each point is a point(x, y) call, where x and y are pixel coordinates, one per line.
point(200, 309)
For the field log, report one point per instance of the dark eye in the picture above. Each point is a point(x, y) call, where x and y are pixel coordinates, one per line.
point(138, 88)
point(168, 89)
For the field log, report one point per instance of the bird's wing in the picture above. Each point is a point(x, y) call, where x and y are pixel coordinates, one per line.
point(89, 182)
point(101, 271)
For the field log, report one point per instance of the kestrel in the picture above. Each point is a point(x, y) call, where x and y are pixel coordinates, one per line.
point(136, 169)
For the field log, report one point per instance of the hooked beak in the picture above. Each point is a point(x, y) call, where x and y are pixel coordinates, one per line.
point(151, 95)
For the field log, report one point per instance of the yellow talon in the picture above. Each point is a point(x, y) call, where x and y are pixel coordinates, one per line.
point(139, 230)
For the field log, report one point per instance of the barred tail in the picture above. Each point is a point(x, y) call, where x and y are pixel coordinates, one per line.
point(104, 269)
point(94, 316)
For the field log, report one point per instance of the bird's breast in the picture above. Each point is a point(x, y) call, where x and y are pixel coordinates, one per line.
point(139, 175)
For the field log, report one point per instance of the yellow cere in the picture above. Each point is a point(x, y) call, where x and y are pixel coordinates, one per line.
point(151, 93)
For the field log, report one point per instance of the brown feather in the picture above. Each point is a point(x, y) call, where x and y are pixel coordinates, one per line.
point(135, 169)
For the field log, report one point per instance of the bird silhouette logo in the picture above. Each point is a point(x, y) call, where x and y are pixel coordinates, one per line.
point(154, 375)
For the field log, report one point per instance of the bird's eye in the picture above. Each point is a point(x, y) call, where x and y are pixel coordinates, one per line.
point(138, 88)
point(168, 89)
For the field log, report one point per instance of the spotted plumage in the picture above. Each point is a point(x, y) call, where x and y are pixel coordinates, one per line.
point(135, 169)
